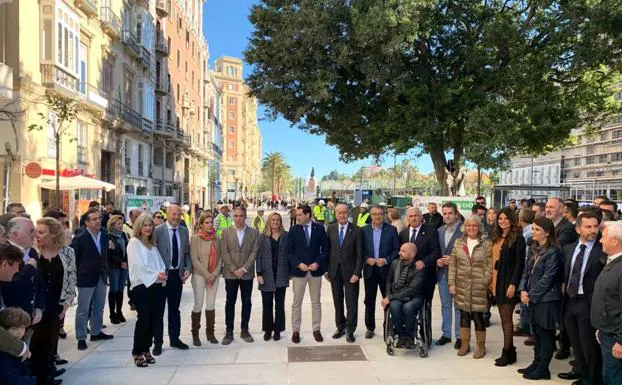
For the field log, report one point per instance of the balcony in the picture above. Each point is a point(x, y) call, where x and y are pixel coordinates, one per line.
point(163, 8)
point(6, 82)
point(130, 41)
point(89, 7)
point(161, 46)
point(147, 125)
point(111, 24)
point(130, 116)
point(185, 139)
point(162, 86)
point(164, 128)
point(95, 102)
point(56, 78)
point(145, 57)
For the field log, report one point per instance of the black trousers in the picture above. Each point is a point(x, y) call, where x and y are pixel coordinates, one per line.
point(343, 289)
point(42, 344)
point(543, 347)
point(173, 289)
point(372, 283)
point(150, 302)
point(273, 310)
point(583, 340)
point(231, 287)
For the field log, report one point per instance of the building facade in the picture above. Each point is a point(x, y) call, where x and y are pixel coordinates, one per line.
point(138, 72)
point(242, 144)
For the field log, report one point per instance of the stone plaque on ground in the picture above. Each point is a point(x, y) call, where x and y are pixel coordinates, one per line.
point(325, 353)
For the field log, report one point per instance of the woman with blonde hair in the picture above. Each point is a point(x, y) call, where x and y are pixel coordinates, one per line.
point(117, 267)
point(272, 267)
point(470, 272)
point(206, 266)
point(147, 279)
point(57, 268)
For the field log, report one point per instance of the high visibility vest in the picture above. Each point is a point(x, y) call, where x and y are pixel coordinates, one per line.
point(362, 219)
point(186, 218)
point(221, 223)
point(260, 224)
point(318, 213)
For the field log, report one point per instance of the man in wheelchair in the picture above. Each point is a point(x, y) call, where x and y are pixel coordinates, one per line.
point(405, 294)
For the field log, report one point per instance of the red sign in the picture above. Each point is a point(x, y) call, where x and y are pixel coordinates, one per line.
point(33, 170)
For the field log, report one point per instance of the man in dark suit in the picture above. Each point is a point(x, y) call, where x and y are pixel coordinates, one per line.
point(345, 242)
point(433, 217)
point(447, 236)
point(428, 248)
point(91, 249)
point(566, 235)
point(381, 247)
point(583, 264)
point(173, 243)
point(307, 251)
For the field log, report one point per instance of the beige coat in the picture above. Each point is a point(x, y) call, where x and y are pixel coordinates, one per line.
point(234, 256)
point(471, 276)
point(199, 253)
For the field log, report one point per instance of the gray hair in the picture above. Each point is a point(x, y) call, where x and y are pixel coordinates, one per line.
point(614, 230)
point(416, 210)
point(15, 225)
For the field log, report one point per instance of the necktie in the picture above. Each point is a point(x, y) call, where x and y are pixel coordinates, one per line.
point(575, 274)
point(414, 236)
point(175, 245)
point(341, 235)
point(307, 235)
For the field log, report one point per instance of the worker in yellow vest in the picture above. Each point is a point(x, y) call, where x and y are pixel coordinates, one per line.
point(185, 216)
point(363, 217)
point(223, 220)
point(259, 223)
point(318, 212)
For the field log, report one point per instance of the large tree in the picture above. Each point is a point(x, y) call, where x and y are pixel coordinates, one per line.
point(466, 80)
point(277, 172)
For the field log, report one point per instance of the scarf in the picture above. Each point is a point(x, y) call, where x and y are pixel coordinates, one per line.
point(212, 261)
point(119, 238)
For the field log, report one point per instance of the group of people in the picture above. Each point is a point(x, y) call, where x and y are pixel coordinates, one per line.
point(559, 264)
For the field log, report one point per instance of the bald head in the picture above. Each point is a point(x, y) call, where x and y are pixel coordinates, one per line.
point(408, 251)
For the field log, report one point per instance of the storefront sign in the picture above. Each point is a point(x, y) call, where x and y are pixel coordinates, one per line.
point(33, 170)
point(464, 203)
point(147, 204)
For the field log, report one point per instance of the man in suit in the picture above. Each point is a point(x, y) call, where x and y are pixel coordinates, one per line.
point(307, 251)
point(606, 309)
point(428, 250)
point(91, 249)
point(345, 242)
point(582, 266)
point(433, 217)
point(26, 290)
point(239, 246)
point(381, 247)
point(447, 236)
point(10, 259)
point(566, 235)
point(173, 243)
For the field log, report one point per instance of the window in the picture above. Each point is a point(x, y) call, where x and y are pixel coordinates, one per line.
point(600, 173)
point(179, 25)
point(186, 69)
point(82, 85)
point(192, 49)
point(231, 144)
point(158, 157)
point(82, 141)
point(603, 158)
point(178, 60)
point(617, 134)
point(589, 150)
point(590, 160)
point(141, 163)
point(231, 130)
point(169, 44)
point(604, 136)
point(231, 115)
point(177, 92)
point(231, 100)
point(47, 40)
point(168, 190)
point(576, 174)
point(107, 78)
point(128, 157)
point(232, 172)
point(230, 87)
point(617, 157)
point(577, 161)
point(187, 39)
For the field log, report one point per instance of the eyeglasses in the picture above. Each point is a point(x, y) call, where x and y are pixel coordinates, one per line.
point(159, 217)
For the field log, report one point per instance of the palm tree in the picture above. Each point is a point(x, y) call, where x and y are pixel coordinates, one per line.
point(276, 170)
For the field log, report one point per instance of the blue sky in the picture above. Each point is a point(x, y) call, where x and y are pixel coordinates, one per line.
point(227, 29)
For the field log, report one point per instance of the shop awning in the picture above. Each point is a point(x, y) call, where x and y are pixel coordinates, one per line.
point(78, 183)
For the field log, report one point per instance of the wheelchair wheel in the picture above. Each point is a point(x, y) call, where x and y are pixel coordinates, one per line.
point(387, 327)
point(390, 351)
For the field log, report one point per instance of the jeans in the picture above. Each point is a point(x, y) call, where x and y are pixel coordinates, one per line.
point(447, 302)
point(246, 289)
point(150, 303)
point(117, 279)
point(404, 316)
point(612, 367)
point(87, 295)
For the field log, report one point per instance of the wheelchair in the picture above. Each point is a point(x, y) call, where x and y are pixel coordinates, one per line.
point(424, 328)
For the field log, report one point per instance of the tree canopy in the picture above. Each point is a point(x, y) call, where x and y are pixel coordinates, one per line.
point(277, 173)
point(481, 80)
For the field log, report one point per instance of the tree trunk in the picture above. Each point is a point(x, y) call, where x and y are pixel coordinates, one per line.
point(479, 181)
point(450, 182)
point(57, 144)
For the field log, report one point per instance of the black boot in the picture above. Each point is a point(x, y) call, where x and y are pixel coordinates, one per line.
point(112, 304)
point(508, 357)
point(120, 316)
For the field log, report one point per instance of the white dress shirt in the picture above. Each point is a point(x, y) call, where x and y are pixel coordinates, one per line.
point(144, 264)
point(415, 230)
point(170, 239)
point(240, 234)
point(588, 249)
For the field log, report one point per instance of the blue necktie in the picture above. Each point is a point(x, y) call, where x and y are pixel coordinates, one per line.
point(575, 274)
point(341, 236)
point(307, 235)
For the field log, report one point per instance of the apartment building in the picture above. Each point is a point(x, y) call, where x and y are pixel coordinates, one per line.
point(242, 142)
point(140, 124)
